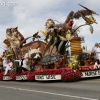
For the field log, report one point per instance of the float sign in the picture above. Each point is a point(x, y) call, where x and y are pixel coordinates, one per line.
point(47, 77)
point(21, 77)
point(90, 73)
point(7, 78)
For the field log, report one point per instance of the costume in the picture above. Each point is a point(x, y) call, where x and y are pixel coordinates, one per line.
point(98, 54)
point(4, 62)
point(94, 50)
point(22, 65)
point(9, 66)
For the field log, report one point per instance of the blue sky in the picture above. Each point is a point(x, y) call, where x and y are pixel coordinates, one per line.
point(31, 15)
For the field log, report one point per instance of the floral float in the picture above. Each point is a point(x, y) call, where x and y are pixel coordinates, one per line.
point(55, 63)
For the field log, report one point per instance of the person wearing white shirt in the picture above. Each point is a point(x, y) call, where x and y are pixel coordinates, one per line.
point(9, 66)
point(98, 53)
point(95, 49)
point(4, 62)
point(22, 64)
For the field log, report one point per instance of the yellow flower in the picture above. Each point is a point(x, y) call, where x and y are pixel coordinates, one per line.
point(69, 36)
point(74, 70)
point(9, 55)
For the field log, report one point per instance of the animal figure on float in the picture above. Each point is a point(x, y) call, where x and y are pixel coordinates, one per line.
point(14, 38)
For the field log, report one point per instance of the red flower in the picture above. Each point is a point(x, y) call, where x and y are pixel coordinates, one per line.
point(31, 76)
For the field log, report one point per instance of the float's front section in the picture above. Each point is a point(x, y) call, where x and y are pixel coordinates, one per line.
point(59, 57)
point(90, 71)
point(64, 74)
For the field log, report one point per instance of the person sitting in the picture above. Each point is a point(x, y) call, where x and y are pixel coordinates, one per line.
point(9, 66)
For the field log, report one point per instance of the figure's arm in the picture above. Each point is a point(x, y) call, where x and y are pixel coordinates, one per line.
point(10, 65)
point(16, 60)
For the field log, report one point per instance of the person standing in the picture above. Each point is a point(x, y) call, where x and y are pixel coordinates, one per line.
point(4, 58)
point(98, 53)
point(94, 50)
point(22, 65)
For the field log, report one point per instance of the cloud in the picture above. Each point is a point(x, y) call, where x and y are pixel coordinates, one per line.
point(90, 38)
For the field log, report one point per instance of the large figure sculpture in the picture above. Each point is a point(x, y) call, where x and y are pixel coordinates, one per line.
point(14, 40)
point(57, 36)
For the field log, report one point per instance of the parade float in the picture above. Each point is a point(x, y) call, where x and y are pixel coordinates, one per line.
point(59, 57)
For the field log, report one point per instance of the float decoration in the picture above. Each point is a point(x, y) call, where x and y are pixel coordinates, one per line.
point(48, 59)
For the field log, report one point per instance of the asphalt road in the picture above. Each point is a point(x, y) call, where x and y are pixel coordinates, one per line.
point(87, 89)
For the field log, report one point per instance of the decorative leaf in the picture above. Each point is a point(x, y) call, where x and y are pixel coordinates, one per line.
point(9, 55)
point(60, 45)
point(44, 33)
point(91, 28)
point(62, 38)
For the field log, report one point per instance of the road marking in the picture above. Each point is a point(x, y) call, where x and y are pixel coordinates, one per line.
point(70, 96)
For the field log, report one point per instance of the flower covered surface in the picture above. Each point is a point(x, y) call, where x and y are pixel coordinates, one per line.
point(67, 74)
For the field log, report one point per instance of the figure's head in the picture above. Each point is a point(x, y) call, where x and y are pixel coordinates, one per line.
point(69, 23)
point(14, 29)
point(8, 31)
point(36, 54)
point(9, 60)
point(22, 57)
point(49, 23)
point(4, 54)
point(99, 45)
point(7, 42)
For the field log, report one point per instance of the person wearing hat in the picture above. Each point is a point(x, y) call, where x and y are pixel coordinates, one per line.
point(22, 64)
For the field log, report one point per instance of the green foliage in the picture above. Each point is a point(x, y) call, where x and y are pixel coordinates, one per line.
point(91, 28)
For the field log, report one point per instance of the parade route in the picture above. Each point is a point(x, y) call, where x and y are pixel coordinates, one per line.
point(81, 90)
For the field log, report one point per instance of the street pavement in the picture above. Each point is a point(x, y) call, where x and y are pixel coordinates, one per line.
point(84, 89)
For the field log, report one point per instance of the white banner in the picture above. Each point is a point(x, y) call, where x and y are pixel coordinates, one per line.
point(90, 73)
point(47, 77)
point(7, 78)
point(21, 77)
